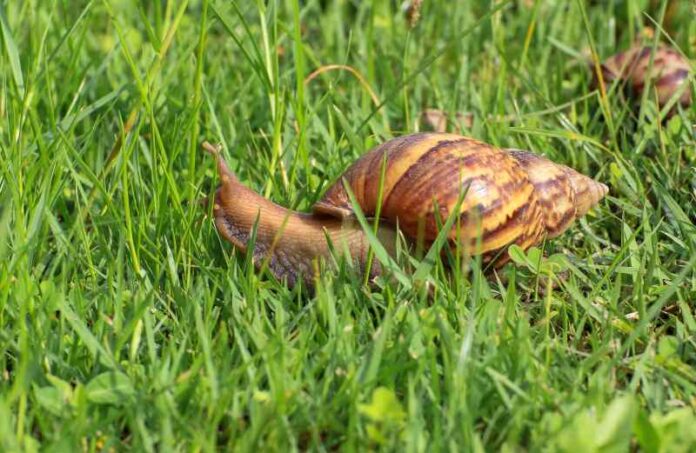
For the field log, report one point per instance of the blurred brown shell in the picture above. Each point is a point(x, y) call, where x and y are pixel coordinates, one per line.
point(668, 72)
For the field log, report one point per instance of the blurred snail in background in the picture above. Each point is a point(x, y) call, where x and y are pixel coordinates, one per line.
point(509, 197)
point(668, 73)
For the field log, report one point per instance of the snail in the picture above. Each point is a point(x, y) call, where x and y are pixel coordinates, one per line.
point(509, 197)
point(669, 73)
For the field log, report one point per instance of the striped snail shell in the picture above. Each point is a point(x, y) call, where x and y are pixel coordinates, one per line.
point(669, 72)
point(510, 197)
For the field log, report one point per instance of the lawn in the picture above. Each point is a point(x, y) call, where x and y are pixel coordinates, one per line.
point(127, 323)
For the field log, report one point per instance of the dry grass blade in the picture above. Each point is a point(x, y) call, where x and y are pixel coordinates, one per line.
point(341, 67)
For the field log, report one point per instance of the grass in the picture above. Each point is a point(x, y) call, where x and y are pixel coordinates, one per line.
point(127, 324)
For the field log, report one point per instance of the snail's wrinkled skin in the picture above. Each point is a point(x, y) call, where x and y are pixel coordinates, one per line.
point(668, 73)
point(509, 197)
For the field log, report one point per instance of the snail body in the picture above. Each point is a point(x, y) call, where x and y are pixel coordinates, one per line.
point(669, 72)
point(287, 242)
point(509, 197)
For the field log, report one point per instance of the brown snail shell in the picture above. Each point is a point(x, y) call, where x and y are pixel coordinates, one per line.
point(669, 73)
point(510, 197)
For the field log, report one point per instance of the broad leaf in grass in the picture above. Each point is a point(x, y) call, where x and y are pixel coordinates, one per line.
point(111, 387)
